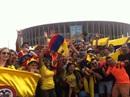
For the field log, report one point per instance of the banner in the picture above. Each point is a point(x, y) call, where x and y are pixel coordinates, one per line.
point(101, 41)
point(119, 41)
point(114, 42)
point(24, 83)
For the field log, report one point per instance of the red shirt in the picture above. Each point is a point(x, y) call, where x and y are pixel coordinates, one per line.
point(119, 73)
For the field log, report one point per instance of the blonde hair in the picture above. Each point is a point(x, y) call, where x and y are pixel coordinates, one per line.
point(1, 49)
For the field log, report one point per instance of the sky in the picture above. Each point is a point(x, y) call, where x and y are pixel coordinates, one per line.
point(20, 14)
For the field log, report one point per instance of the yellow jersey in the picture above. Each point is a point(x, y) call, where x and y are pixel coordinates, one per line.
point(47, 78)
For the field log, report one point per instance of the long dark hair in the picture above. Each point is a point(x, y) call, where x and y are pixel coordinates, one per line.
point(45, 59)
point(77, 74)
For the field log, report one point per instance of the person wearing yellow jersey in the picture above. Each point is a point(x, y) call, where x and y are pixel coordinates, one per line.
point(5, 90)
point(73, 79)
point(47, 77)
point(70, 79)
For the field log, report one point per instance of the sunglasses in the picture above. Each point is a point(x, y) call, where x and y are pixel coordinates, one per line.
point(4, 53)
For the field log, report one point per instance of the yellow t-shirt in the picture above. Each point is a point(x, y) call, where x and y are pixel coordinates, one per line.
point(47, 78)
point(71, 80)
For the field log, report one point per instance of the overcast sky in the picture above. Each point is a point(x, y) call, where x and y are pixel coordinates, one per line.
point(20, 14)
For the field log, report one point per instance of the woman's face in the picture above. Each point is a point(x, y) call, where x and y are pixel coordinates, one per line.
point(4, 54)
point(71, 68)
point(13, 55)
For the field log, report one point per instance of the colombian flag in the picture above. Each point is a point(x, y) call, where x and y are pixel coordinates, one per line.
point(64, 50)
point(55, 42)
point(24, 83)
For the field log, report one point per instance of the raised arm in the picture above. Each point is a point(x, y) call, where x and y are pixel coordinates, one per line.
point(127, 40)
point(73, 47)
point(18, 40)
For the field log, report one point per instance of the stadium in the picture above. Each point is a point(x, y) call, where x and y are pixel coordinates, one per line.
point(35, 35)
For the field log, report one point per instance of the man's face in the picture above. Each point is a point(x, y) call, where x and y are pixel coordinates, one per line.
point(124, 49)
point(110, 61)
point(33, 66)
point(95, 64)
point(106, 52)
point(26, 46)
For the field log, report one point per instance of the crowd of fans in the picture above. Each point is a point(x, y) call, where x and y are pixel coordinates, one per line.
point(87, 71)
